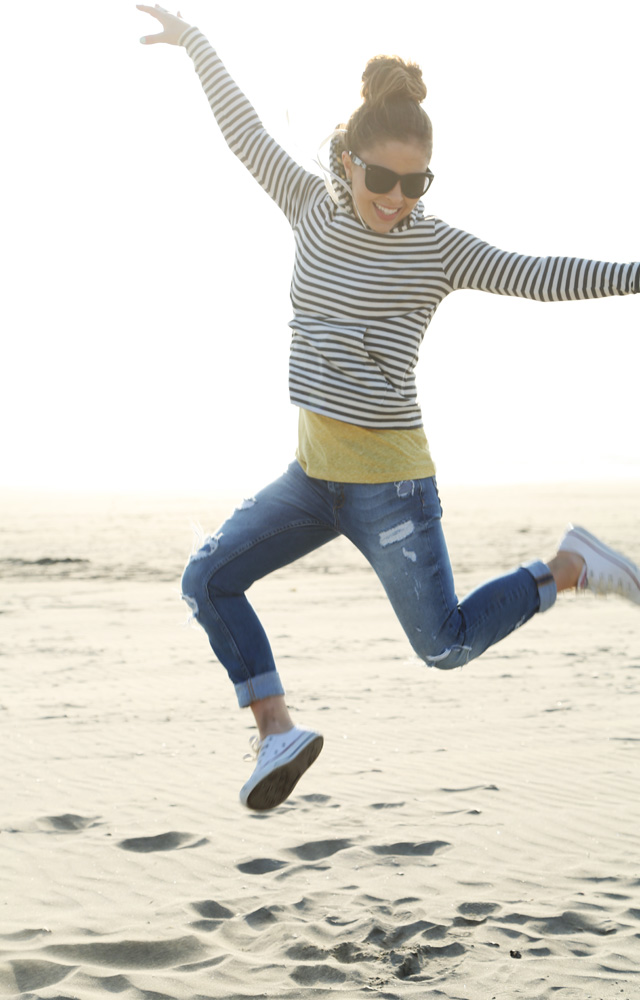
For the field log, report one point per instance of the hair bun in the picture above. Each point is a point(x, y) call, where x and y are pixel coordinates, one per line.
point(388, 78)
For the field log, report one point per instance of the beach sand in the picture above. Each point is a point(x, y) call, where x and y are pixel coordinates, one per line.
point(466, 834)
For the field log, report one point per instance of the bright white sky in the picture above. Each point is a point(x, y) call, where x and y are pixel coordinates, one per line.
point(146, 275)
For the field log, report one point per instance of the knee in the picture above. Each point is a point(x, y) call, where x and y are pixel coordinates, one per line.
point(197, 574)
point(434, 654)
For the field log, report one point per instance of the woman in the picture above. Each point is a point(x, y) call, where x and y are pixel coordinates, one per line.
point(370, 271)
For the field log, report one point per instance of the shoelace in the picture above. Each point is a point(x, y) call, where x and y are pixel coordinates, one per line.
point(255, 744)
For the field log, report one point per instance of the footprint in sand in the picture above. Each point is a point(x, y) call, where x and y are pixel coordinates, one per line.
point(172, 841)
point(306, 952)
point(346, 952)
point(571, 922)
point(24, 975)
point(317, 798)
point(478, 909)
point(568, 922)
point(212, 914)
point(68, 823)
point(409, 849)
point(394, 937)
point(412, 964)
point(132, 954)
point(472, 788)
point(211, 910)
point(263, 916)
point(261, 866)
point(310, 975)
point(474, 913)
point(25, 935)
point(317, 850)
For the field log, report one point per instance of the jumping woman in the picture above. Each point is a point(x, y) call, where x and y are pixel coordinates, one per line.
point(371, 268)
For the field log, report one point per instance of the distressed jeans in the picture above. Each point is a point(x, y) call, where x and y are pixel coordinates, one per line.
point(397, 527)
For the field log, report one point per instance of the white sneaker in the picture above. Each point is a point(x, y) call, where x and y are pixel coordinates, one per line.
point(605, 570)
point(282, 759)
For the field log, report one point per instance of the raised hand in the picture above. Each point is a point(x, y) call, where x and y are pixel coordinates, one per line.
point(173, 26)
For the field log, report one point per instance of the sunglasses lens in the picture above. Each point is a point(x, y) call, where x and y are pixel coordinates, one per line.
point(413, 185)
point(379, 180)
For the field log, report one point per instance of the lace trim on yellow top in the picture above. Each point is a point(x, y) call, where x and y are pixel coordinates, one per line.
point(345, 453)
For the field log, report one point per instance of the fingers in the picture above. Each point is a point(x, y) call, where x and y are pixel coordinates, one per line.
point(151, 39)
point(154, 11)
point(149, 10)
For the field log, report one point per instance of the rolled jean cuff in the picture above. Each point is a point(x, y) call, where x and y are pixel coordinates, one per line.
point(545, 583)
point(259, 687)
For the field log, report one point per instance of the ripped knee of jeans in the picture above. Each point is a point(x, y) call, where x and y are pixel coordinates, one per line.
point(193, 578)
point(193, 606)
point(448, 659)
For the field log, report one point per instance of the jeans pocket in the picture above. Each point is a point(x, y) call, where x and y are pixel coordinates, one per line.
point(430, 498)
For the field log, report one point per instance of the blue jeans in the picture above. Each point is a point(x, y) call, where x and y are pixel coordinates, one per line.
point(397, 527)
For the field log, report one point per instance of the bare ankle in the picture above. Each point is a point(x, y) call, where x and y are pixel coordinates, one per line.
point(271, 715)
point(566, 568)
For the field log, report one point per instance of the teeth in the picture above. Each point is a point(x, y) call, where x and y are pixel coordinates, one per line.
point(386, 211)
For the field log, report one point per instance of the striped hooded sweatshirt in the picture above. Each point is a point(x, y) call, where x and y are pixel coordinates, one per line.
point(362, 300)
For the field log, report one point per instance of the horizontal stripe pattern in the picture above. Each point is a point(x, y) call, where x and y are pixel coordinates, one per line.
point(362, 300)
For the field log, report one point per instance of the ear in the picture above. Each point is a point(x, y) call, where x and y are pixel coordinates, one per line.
point(347, 163)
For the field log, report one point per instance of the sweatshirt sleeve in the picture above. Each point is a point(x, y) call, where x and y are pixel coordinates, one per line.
point(470, 263)
point(292, 187)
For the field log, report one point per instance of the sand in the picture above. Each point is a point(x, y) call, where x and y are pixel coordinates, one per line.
point(468, 834)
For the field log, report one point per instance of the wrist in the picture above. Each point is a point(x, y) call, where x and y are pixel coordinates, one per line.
point(188, 27)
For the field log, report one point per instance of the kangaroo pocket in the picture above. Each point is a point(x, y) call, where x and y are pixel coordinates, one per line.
point(334, 357)
point(338, 346)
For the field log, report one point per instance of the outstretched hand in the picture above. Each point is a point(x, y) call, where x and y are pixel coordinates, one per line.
point(173, 26)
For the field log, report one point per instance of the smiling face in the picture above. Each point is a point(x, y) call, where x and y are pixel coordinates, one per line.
point(381, 212)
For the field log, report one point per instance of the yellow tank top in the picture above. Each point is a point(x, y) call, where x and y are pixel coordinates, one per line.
point(345, 453)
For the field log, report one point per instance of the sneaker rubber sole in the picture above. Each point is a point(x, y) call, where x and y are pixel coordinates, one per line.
point(277, 785)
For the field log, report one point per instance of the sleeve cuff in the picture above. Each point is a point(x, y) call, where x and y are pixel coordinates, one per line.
point(188, 35)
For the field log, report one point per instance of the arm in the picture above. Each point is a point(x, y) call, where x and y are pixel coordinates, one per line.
point(292, 187)
point(470, 263)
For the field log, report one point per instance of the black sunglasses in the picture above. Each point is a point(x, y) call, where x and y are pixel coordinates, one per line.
point(380, 180)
